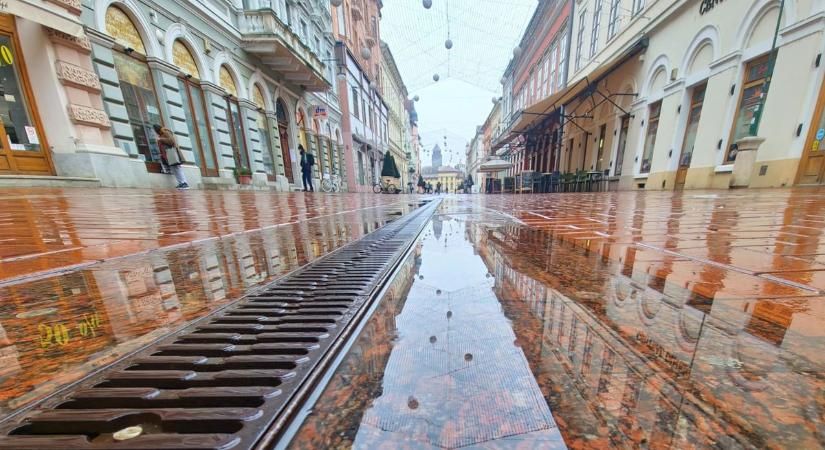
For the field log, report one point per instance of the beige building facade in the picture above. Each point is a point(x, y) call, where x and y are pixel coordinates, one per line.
point(661, 92)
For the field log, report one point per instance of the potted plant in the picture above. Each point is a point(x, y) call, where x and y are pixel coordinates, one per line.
point(244, 175)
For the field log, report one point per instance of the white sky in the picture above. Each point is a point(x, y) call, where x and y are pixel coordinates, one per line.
point(483, 32)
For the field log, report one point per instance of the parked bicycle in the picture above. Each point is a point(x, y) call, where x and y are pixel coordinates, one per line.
point(384, 187)
point(331, 183)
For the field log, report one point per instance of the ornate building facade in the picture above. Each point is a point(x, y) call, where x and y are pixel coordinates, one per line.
point(241, 84)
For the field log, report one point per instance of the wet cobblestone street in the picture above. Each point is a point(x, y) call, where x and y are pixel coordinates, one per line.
point(653, 320)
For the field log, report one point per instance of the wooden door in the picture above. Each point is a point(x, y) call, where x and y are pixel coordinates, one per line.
point(23, 146)
point(812, 165)
point(285, 152)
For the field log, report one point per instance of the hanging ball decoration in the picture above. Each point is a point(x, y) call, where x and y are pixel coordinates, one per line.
point(517, 51)
point(495, 100)
point(502, 80)
point(436, 77)
point(448, 43)
point(412, 402)
point(365, 53)
point(428, 3)
point(415, 99)
point(336, 3)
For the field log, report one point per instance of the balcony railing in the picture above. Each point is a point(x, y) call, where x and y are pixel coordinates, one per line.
point(264, 23)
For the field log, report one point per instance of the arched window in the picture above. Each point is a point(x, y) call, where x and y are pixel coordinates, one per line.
point(182, 57)
point(136, 85)
point(263, 132)
point(227, 81)
point(194, 106)
point(233, 116)
point(123, 30)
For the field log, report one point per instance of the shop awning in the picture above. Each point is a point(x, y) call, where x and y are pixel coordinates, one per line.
point(46, 14)
point(495, 165)
point(538, 111)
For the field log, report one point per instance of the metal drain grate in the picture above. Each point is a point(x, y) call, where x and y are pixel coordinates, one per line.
point(221, 382)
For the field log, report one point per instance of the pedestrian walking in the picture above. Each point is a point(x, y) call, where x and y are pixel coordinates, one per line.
point(438, 188)
point(174, 157)
point(307, 161)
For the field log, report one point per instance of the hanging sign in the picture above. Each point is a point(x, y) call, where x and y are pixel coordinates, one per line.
point(707, 5)
point(820, 134)
point(320, 112)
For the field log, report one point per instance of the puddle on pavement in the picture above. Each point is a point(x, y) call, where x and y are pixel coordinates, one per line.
point(57, 329)
point(495, 335)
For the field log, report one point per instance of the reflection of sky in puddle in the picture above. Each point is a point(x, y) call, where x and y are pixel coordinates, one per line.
point(453, 376)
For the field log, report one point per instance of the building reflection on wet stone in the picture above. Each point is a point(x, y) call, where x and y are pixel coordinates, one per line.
point(627, 359)
point(627, 345)
point(59, 328)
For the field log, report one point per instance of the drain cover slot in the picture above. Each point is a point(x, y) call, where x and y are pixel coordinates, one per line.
point(221, 382)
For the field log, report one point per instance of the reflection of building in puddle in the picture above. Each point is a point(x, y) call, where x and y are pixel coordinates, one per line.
point(54, 331)
point(454, 377)
point(646, 363)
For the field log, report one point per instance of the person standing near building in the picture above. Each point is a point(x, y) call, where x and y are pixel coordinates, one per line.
point(307, 161)
point(174, 157)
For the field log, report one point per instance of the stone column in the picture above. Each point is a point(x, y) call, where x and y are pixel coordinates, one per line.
point(254, 147)
point(745, 159)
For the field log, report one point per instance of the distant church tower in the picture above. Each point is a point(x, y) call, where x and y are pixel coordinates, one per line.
point(437, 157)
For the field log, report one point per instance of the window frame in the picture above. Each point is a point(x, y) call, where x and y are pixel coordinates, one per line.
point(745, 86)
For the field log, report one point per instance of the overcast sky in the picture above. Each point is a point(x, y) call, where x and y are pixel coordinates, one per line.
point(483, 33)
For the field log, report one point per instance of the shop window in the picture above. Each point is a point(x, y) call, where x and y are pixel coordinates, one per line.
point(283, 124)
point(650, 137)
point(263, 133)
point(752, 85)
point(136, 85)
point(233, 118)
point(696, 101)
point(194, 106)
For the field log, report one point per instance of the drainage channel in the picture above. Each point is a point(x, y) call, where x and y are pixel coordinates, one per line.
point(228, 380)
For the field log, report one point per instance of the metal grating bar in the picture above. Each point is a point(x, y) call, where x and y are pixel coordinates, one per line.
point(221, 382)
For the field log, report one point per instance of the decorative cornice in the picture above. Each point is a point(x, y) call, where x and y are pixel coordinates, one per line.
point(73, 6)
point(163, 66)
point(76, 76)
point(96, 37)
point(78, 43)
point(89, 116)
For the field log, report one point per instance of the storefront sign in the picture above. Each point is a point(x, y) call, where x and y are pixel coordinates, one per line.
point(5, 53)
point(320, 112)
point(707, 5)
point(31, 133)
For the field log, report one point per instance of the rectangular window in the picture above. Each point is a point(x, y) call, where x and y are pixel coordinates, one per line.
point(594, 36)
point(638, 5)
point(553, 70)
point(550, 70)
point(696, 101)
point(317, 46)
point(355, 101)
point(562, 66)
point(580, 40)
point(754, 81)
point(613, 22)
point(342, 23)
point(304, 34)
point(650, 136)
